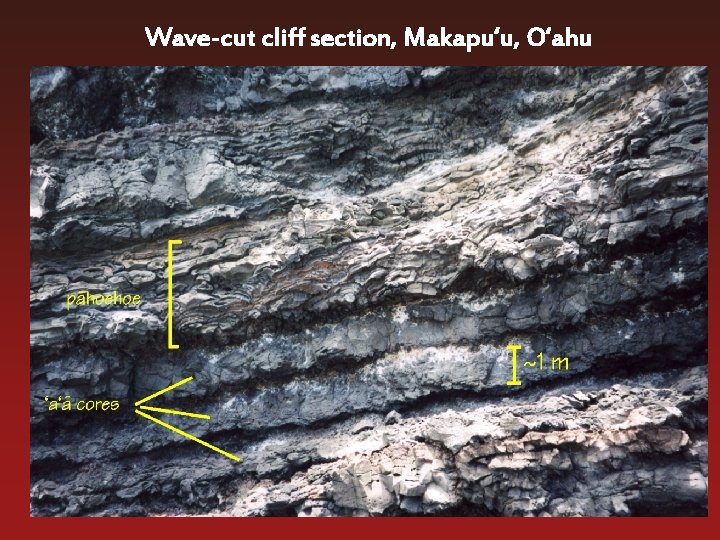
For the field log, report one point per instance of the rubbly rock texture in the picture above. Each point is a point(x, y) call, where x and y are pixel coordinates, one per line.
point(359, 246)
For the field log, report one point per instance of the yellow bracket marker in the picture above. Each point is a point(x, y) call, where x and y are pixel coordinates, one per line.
point(187, 435)
point(161, 392)
point(171, 243)
point(173, 411)
point(514, 381)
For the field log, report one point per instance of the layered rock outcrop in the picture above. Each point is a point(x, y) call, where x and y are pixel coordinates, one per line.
point(360, 245)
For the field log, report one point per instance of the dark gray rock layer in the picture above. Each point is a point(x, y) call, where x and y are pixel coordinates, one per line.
point(359, 247)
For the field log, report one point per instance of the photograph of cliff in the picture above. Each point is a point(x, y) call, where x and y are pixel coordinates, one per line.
point(395, 291)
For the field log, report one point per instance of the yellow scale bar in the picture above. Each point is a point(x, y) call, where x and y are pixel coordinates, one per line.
point(514, 381)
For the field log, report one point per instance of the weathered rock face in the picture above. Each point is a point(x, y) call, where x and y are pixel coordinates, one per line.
point(360, 245)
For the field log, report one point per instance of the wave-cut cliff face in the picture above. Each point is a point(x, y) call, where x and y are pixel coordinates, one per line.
point(359, 248)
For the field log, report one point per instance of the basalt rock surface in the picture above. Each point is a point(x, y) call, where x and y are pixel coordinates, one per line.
point(359, 247)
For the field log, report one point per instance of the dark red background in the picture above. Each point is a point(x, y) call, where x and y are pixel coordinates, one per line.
point(112, 33)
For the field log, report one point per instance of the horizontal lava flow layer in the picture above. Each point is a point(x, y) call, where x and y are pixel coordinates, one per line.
point(360, 246)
